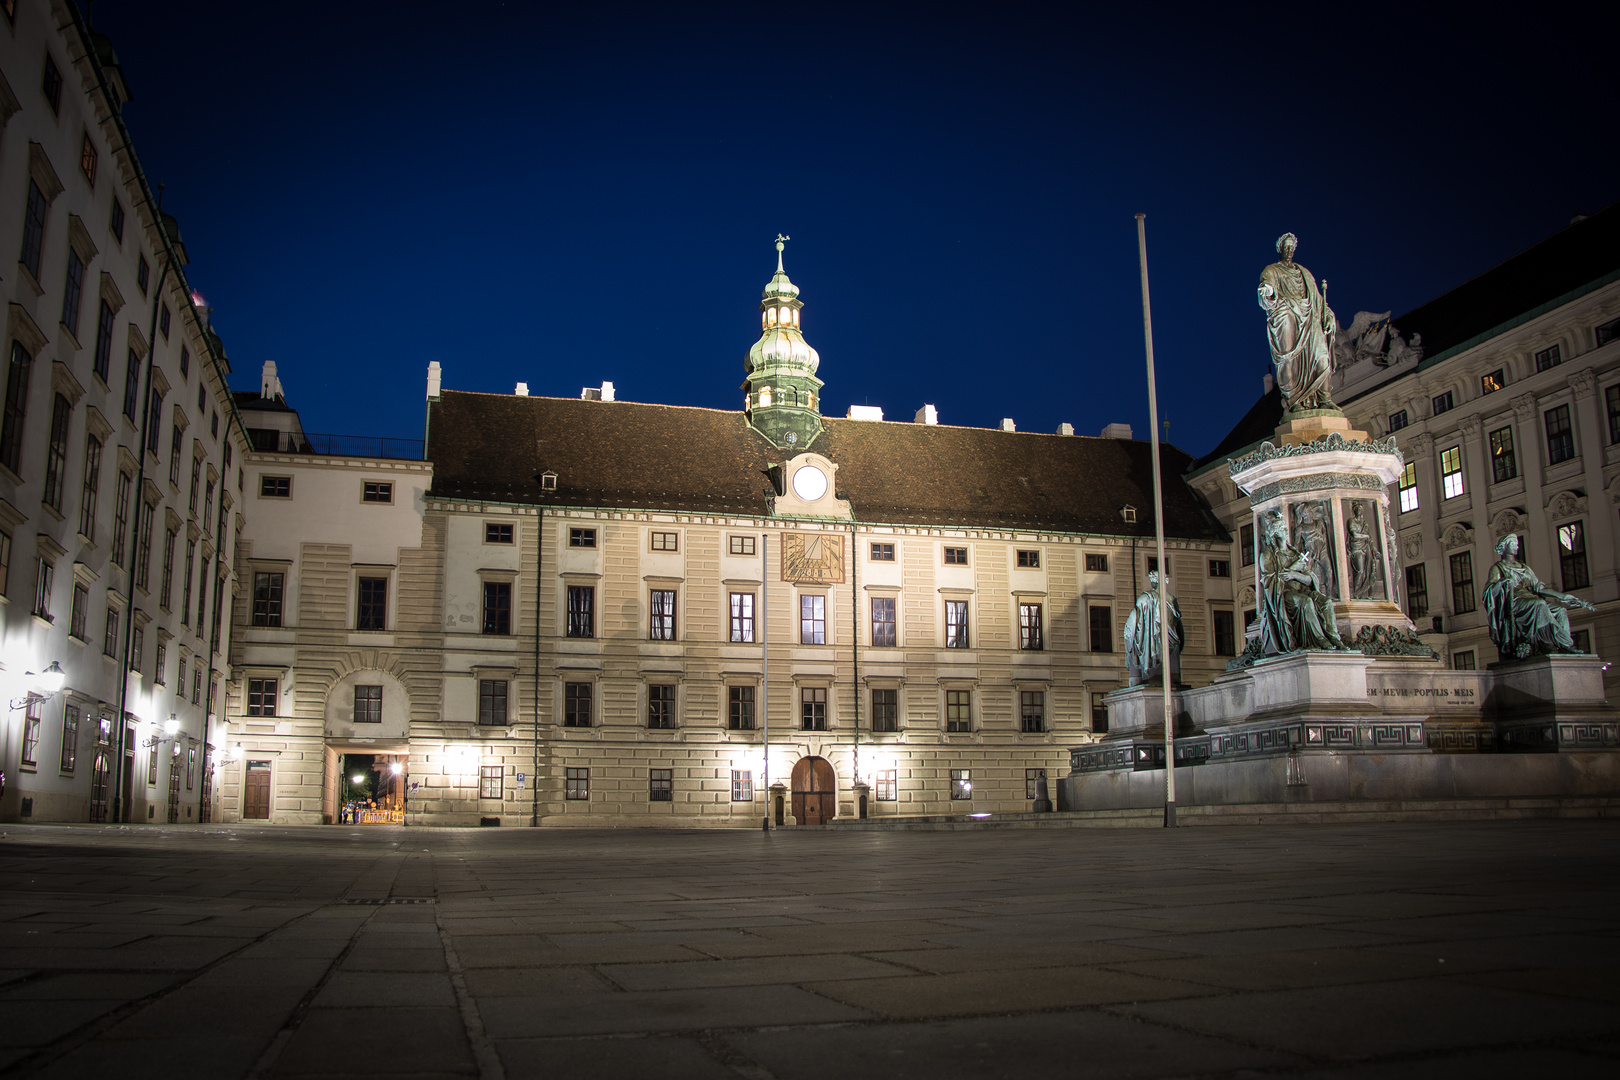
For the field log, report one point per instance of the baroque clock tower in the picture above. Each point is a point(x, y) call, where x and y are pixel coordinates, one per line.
point(783, 395)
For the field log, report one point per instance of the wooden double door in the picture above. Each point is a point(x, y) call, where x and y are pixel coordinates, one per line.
point(815, 791)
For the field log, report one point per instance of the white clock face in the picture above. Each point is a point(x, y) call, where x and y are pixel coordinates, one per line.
point(809, 483)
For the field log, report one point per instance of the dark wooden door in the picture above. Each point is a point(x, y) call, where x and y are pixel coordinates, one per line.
point(815, 791)
point(256, 791)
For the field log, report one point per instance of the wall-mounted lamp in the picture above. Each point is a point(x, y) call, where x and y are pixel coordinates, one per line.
point(48, 684)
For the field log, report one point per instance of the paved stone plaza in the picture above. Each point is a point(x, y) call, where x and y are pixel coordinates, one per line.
point(1482, 949)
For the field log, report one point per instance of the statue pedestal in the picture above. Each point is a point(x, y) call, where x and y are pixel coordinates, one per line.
point(1135, 711)
point(1308, 426)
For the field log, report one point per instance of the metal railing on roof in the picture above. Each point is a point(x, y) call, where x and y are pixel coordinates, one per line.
point(286, 442)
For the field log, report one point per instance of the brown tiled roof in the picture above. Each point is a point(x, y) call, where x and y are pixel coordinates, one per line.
point(662, 457)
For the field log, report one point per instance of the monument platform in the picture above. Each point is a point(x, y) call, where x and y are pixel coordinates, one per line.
point(1332, 727)
point(1308, 425)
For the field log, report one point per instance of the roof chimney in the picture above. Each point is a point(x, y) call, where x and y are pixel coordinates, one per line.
point(269, 385)
point(1065, 429)
point(607, 391)
point(864, 412)
point(1007, 424)
point(1117, 431)
point(522, 389)
point(926, 415)
point(433, 381)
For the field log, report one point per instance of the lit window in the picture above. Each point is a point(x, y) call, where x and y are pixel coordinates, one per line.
point(958, 710)
point(1451, 478)
point(368, 704)
point(1572, 556)
point(812, 620)
point(1408, 488)
point(582, 538)
point(1490, 384)
point(956, 624)
point(1503, 464)
point(813, 708)
point(961, 784)
point(765, 397)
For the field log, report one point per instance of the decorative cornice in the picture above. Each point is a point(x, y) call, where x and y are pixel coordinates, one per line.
point(1334, 441)
point(1584, 383)
point(1524, 408)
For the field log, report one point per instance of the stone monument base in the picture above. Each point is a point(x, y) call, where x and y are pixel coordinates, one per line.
point(1332, 727)
point(1308, 425)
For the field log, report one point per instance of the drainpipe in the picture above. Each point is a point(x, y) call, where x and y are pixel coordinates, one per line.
point(121, 798)
point(213, 635)
point(855, 654)
point(539, 594)
point(765, 666)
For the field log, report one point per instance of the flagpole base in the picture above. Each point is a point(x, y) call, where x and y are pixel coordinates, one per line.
point(1170, 815)
point(765, 823)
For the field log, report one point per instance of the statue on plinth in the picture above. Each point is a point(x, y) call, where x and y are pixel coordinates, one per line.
point(1142, 659)
point(1294, 614)
point(1521, 611)
point(1364, 569)
point(1301, 328)
point(1312, 531)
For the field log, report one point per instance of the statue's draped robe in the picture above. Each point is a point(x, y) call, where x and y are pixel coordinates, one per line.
point(1312, 535)
point(1363, 559)
point(1305, 370)
point(1522, 621)
point(1293, 615)
point(1142, 636)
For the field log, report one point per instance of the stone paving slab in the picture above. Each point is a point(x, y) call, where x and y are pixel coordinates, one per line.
point(1366, 951)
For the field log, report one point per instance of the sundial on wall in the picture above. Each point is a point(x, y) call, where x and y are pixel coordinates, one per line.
point(811, 558)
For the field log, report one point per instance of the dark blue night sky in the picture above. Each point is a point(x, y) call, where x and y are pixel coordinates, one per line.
point(562, 194)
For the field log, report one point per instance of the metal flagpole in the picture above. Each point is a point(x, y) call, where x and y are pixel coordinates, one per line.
point(1158, 528)
point(765, 670)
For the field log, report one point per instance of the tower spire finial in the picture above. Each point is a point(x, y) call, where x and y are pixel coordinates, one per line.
point(780, 240)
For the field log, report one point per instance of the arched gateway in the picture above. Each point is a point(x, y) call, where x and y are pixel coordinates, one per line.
point(815, 791)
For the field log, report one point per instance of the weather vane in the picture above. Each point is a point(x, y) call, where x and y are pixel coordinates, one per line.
point(780, 240)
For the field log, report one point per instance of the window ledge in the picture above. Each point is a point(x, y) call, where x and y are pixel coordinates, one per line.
point(27, 276)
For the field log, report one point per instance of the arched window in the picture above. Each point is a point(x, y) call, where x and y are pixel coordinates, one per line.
point(764, 397)
point(770, 316)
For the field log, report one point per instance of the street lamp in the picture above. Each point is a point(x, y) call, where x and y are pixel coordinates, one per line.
point(47, 684)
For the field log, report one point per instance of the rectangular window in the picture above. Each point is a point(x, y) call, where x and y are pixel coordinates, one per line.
point(1503, 464)
point(202, 594)
point(666, 541)
point(660, 706)
point(742, 785)
point(196, 483)
point(53, 83)
point(270, 487)
point(1491, 383)
point(180, 680)
point(1220, 568)
point(497, 533)
point(154, 422)
point(109, 641)
point(1152, 564)
point(143, 273)
point(813, 708)
point(1549, 358)
point(79, 613)
point(145, 513)
point(371, 613)
point(885, 710)
point(577, 704)
point(956, 556)
point(56, 453)
point(1398, 420)
point(661, 620)
point(742, 617)
point(16, 408)
point(1451, 477)
point(137, 648)
point(5, 564)
point(1408, 488)
point(1099, 713)
point(1572, 556)
point(166, 593)
point(33, 229)
point(1442, 403)
point(73, 292)
point(956, 624)
point(262, 696)
point(577, 785)
point(742, 545)
point(497, 607)
point(582, 538)
point(1583, 641)
point(961, 784)
point(70, 738)
point(161, 664)
point(1096, 564)
point(1032, 782)
point(185, 595)
point(163, 322)
point(1560, 435)
point(1611, 398)
point(43, 582)
point(117, 222)
point(887, 785)
point(883, 553)
point(1032, 711)
point(1609, 331)
point(1029, 628)
point(812, 620)
point(30, 733)
point(267, 589)
point(581, 611)
point(492, 702)
point(661, 785)
point(958, 710)
point(368, 704)
point(104, 331)
point(1225, 633)
point(740, 715)
point(376, 492)
point(87, 159)
point(491, 781)
point(1462, 661)
point(1246, 544)
point(1029, 559)
point(91, 490)
point(132, 384)
point(1102, 629)
point(883, 625)
point(1462, 583)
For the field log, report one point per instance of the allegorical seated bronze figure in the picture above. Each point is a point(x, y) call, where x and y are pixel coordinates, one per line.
point(1526, 618)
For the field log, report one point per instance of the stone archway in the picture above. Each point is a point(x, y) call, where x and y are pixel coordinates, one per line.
point(815, 791)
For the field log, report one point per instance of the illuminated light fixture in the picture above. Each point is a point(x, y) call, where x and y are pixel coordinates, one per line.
point(52, 679)
point(236, 751)
point(980, 816)
point(171, 726)
point(358, 779)
point(397, 768)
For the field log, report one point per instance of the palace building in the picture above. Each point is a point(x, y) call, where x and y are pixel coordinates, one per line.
point(587, 611)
